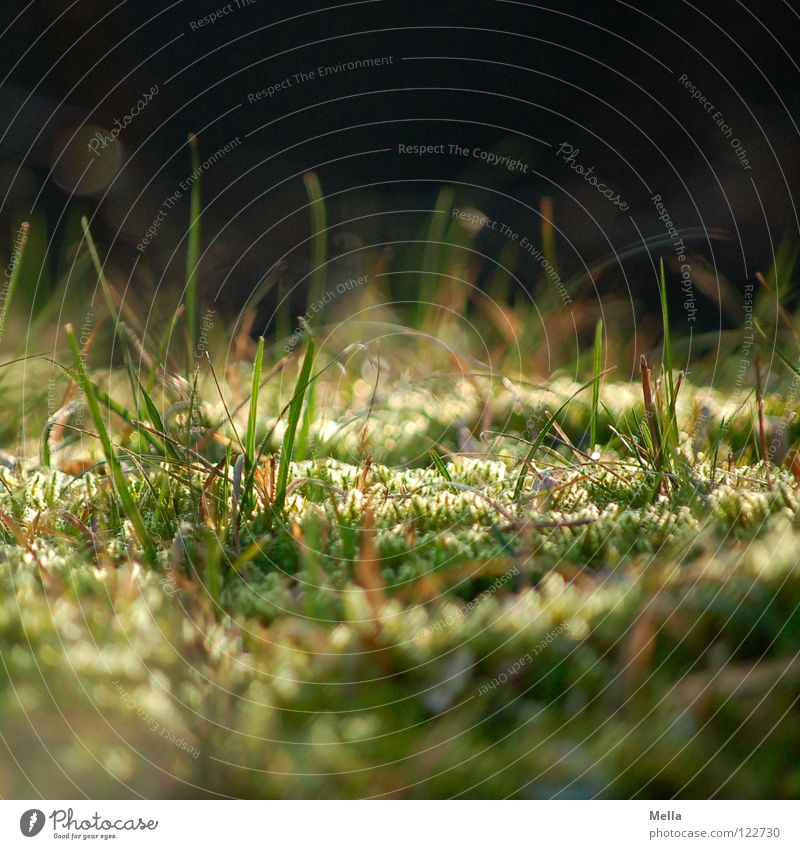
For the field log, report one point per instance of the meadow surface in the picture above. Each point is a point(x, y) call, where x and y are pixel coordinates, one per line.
point(368, 564)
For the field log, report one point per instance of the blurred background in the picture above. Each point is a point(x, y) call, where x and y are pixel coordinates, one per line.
point(648, 97)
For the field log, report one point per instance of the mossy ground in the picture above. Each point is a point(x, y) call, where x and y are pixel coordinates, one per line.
point(399, 630)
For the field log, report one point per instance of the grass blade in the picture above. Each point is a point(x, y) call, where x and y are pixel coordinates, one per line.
point(437, 227)
point(548, 232)
point(101, 276)
point(250, 436)
point(598, 352)
point(157, 422)
point(114, 406)
point(651, 414)
point(672, 430)
point(440, 466)
point(762, 434)
point(319, 236)
point(308, 417)
point(294, 418)
point(545, 430)
point(192, 254)
point(112, 461)
point(13, 278)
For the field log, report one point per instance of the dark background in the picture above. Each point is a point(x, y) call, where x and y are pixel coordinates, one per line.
point(603, 76)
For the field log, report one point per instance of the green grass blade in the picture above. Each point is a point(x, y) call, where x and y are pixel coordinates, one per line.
point(112, 461)
point(319, 237)
point(101, 276)
point(672, 429)
point(301, 449)
point(598, 354)
point(162, 349)
point(157, 422)
point(114, 406)
point(126, 356)
point(786, 361)
point(13, 278)
point(440, 466)
point(252, 417)
point(192, 254)
point(783, 267)
point(437, 227)
point(548, 232)
point(294, 418)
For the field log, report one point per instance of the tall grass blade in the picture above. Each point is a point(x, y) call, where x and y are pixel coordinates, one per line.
point(437, 227)
point(291, 428)
point(319, 237)
point(252, 416)
point(672, 429)
point(301, 451)
point(548, 232)
point(762, 433)
point(157, 422)
point(101, 276)
point(598, 354)
point(192, 254)
point(112, 461)
point(7, 296)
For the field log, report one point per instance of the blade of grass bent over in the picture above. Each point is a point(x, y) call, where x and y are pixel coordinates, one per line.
point(440, 466)
point(112, 461)
point(114, 406)
point(545, 430)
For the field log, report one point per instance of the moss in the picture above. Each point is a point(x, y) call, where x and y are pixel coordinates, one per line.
point(349, 646)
